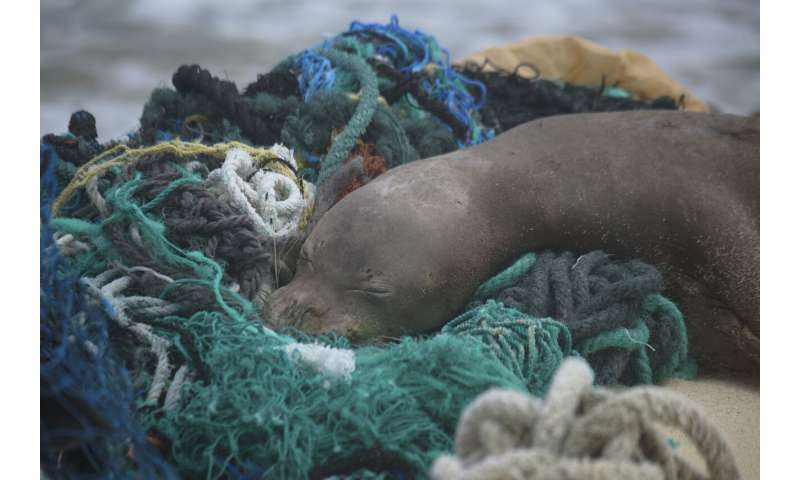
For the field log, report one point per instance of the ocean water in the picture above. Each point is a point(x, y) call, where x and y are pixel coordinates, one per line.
point(106, 56)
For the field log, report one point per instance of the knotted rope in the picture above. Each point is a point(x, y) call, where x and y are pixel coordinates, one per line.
point(272, 201)
point(121, 155)
point(577, 432)
point(107, 287)
point(614, 310)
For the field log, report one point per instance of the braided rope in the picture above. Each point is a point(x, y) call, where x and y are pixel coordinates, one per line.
point(272, 201)
point(506, 278)
point(69, 246)
point(367, 104)
point(578, 432)
point(191, 79)
point(121, 155)
point(108, 287)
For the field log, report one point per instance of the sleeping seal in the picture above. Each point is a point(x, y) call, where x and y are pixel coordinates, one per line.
point(679, 190)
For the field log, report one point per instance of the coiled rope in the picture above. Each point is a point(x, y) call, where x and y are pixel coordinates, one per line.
point(578, 432)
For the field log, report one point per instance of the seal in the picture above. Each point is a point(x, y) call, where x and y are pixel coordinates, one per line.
point(403, 254)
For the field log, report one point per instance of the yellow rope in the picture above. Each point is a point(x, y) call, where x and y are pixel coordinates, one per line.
point(309, 210)
point(123, 155)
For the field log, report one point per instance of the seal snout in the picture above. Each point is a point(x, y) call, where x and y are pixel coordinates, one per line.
point(301, 305)
point(311, 308)
point(286, 309)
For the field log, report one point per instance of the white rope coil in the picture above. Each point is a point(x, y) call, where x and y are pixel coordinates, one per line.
point(578, 432)
point(271, 200)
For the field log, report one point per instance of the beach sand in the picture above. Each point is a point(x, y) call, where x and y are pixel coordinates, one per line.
point(731, 405)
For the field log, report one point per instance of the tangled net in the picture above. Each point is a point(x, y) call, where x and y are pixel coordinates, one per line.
point(383, 85)
point(514, 99)
point(612, 311)
point(579, 432)
point(154, 362)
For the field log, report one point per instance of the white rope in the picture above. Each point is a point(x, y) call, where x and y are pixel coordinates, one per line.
point(68, 245)
point(161, 276)
point(284, 153)
point(182, 377)
point(333, 363)
point(108, 286)
point(271, 200)
point(580, 432)
point(93, 190)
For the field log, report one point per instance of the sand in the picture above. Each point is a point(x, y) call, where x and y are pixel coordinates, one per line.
point(733, 406)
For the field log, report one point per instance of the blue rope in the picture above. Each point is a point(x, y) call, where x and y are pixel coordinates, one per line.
point(400, 36)
point(416, 52)
point(316, 73)
point(81, 380)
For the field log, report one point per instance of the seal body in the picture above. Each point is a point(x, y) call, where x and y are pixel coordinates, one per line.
point(403, 254)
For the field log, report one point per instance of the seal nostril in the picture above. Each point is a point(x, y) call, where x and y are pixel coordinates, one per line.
point(282, 306)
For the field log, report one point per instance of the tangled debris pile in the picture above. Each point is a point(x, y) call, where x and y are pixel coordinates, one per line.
point(154, 250)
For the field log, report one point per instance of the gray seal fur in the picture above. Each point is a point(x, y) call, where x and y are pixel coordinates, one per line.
point(403, 254)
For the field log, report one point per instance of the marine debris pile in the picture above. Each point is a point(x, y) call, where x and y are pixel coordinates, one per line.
point(155, 249)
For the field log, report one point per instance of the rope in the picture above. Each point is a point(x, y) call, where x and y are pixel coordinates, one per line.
point(615, 313)
point(577, 432)
point(506, 278)
point(122, 155)
point(531, 348)
point(87, 396)
point(272, 201)
point(193, 80)
point(333, 363)
point(108, 291)
point(196, 218)
point(513, 99)
point(367, 103)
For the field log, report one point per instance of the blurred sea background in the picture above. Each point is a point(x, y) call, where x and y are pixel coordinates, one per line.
point(106, 56)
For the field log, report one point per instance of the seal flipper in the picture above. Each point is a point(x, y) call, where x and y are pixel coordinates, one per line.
point(719, 341)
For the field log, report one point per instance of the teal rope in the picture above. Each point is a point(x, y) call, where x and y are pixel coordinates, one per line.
point(647, 365)
point(625, 338)
point(506, 278)
point(530, 347)
point(362, 117)
point(679, 364)
point(153, 232)
point(634, 339)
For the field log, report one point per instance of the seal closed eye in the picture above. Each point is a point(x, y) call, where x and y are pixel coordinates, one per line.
point(677, 190)
point(375, 292)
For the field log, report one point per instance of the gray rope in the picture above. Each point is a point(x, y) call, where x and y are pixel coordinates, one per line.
point(578, 432)
point(109, 286)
